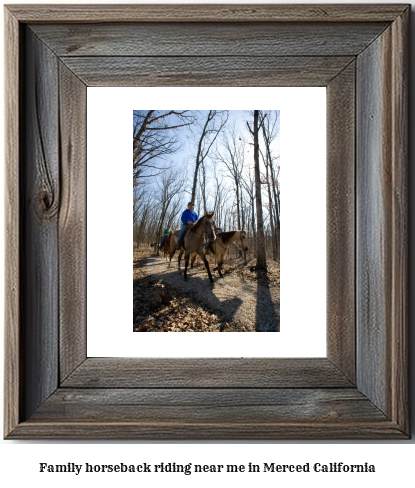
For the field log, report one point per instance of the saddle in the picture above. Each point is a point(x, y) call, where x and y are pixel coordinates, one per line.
point(176, 234)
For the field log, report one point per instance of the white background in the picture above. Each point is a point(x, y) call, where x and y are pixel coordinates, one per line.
point(19, 461)
point(303, 235)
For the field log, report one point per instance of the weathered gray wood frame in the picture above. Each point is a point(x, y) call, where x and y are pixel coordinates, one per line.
point(359, 52)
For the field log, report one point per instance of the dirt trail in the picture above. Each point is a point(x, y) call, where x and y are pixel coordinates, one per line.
point(239, 297)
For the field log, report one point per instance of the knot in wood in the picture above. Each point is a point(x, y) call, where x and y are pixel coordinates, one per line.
point(46, 206)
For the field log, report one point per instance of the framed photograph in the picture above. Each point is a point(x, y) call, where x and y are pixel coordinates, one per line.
point(243, 300)
point(53, 389)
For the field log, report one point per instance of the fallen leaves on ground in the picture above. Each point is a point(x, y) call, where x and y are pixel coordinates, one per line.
point(248, 271)
point(157, 309)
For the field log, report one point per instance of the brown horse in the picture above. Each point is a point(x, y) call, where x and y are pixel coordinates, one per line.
point(223, 241)
point(194, 242)
point(166, 246)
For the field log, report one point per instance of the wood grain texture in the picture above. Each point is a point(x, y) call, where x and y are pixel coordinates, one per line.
point(206, 71)
point(341, 237)
point(400, 233)
point(211, 405)
point(237, 39)
point(13, 382)
point(374, 222)
point(206, 13)
point(382, 223)
point(206, 373)
point(40, 205)
point(165, 430)
point(72, 222)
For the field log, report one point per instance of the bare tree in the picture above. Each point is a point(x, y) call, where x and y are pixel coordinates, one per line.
point(158, 202)
point(261, 256)
point(270, 123)
point(139, 194)
point(232, 156)
point(170, 186)
point(203, 186)
point(173, 212)
point(140, 229)
point(249, 186)
point(221, 194)
point(274, 238)
point(155, 137)
point(209, 131)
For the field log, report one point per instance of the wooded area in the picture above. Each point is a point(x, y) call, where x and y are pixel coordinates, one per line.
point(223, 161)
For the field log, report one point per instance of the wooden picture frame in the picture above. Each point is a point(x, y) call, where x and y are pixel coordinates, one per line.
point(360, 53)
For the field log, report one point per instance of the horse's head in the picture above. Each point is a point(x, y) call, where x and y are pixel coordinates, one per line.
point(243, 239)
point(209, 226)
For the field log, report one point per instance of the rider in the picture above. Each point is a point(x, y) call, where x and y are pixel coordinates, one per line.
point(189, 217)
point(208, 246)
point(166, 232)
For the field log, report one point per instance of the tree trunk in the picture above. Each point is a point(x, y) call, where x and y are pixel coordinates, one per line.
point(271, 221)
point(198, 159)
point(269, 134)
point(238, 210)
point(203, 187)
point(158, 234)
point(277, 210)
point(261, 257)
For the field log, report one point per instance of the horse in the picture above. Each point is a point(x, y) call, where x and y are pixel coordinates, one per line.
point(223, 241)
point(194, 242)
point(166, 246)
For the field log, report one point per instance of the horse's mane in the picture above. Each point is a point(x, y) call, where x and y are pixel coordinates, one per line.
point(225, 236)
point(199, 222)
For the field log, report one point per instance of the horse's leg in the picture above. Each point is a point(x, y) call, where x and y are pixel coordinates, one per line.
point(192, 262)
point(205, 261)
point(186, 264)
point(172, 252)
point(220, 262)
point(179, 260)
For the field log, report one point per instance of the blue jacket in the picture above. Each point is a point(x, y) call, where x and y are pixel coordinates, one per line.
point(189, 216)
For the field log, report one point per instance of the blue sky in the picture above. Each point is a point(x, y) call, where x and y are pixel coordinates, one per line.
point(183, 160)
